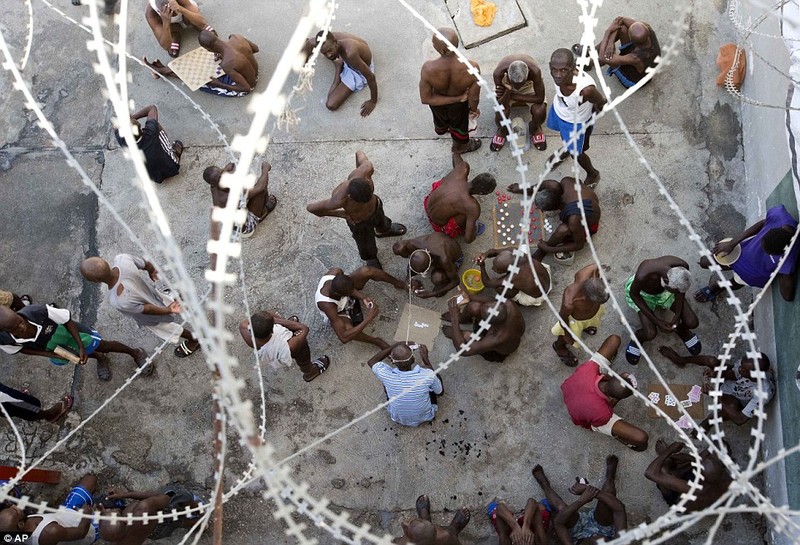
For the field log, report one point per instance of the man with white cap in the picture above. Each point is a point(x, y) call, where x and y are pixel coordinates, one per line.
point(755, 254)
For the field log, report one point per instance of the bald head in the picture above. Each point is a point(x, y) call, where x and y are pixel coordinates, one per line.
point(10, 518)
point(420, 262)
point(563, 55)
point(95, 269)
point(639, 33)
point(401, 353)
point(503, 261)
point(451, 36)
point(8, 319)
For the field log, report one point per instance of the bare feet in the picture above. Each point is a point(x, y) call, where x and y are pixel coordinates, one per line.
point(538, 473)
point(671, 355)
point(661, 445)
point(611, 466)
point(460, 520)
point(424, 507)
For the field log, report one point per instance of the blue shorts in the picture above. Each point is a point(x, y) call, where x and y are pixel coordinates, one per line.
point(621, 77)
point(76, 499)
point(565, 129)
point(219, 91)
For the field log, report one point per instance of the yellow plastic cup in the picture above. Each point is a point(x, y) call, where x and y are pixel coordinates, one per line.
point(472, 281)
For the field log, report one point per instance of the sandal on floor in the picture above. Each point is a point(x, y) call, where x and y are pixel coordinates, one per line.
point(174, 49)
point(498, 141)
point(66, 405)
point(293, 318)
point(704, 295)
point(539, 141)
point(395, 230)
point(103, 370)
point(474, 143)
point(591, 330)
point(26, 299)
point(633, 354)
point(177, 147)
point(322, 363)
point(272, 202)
point(480, 228)
point(568, 359)
point(182, 350)
point(693, 345)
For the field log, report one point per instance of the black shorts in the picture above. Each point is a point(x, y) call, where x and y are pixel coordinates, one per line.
point(452, 118)
point(20, 405)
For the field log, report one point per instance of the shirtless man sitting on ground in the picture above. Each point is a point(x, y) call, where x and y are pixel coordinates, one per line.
point(525, 292)
point(354, 66)
point(236, 58)
point(581, 308)
point(672, 470)
point(518, 82)
point(260, 202)
point(421, 531)
point(569, 236)
point(339, 302)
point(451, 92)
point(451, 207)
point(496, 344)
point(167, 18)
point(435, 255)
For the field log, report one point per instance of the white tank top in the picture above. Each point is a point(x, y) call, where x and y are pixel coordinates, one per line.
point(67, 519)
point(341, 304)
point(573, 108)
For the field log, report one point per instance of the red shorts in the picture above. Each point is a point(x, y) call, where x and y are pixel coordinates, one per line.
point(452, 229)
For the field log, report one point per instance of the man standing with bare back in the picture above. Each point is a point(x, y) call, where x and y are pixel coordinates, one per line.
point(451, 92)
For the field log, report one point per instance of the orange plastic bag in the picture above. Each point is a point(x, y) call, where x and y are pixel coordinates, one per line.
point(727, 54)
point(483, 12)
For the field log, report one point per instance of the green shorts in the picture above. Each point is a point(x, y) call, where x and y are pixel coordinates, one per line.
point(665, 299)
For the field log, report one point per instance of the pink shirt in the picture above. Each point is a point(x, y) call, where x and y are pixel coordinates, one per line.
point(586, 404)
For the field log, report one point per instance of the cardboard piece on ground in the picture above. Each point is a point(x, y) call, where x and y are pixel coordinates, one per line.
point(680, 392)
point(425, 325)
point(507, 217)
point(196, 68)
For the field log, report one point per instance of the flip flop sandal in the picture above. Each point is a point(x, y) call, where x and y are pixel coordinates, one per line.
point(480, 228)
point(474, 144)
point(66, 405)
point(321, 363)
point(395, 230)
point(177, 147)
point(182, 350)
point(293, 318)
point(704, 295)
point(174, 49)
point(569, 359)
point(103, 369)
point(632, 353)
point(498, 141)
point(25, 391)
point(693, 345)
point(594, 183)
point(272, 202)
point(26, 299)
point(539, 141)
point(590, 330)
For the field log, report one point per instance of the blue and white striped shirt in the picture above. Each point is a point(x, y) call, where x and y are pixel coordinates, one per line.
point(414, 406)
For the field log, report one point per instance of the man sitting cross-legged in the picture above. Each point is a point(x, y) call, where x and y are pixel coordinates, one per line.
point(39, 330)
point(451, 207)
point(590, 397)
point(661, 284)
point(436, 256)
point(417, 387)
point(168, 18)
point(672, 470)
point(574, 526)
point(502, 338)
point(525, 292)
point(739, 400)
point(148, 503)
point(339, 298)
point(581, 308)
point(280, 341)
point(421, 531)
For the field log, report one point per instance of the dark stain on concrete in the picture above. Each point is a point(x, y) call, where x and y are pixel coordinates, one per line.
point(326, 457)
point(722, 131)
point(723, 220)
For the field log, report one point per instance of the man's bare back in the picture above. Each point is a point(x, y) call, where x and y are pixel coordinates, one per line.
point(352, 48)
point(581, 307)
point(452, 199)
point(238, 56)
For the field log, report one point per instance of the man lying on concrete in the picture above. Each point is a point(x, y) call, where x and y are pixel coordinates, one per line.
point(590, 397)
point(582, 307)
point(421, 531)
point(503, 337)
point(339, 301)
point(435, 256)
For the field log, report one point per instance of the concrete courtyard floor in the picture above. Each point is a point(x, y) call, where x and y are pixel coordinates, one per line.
point(497, 420)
